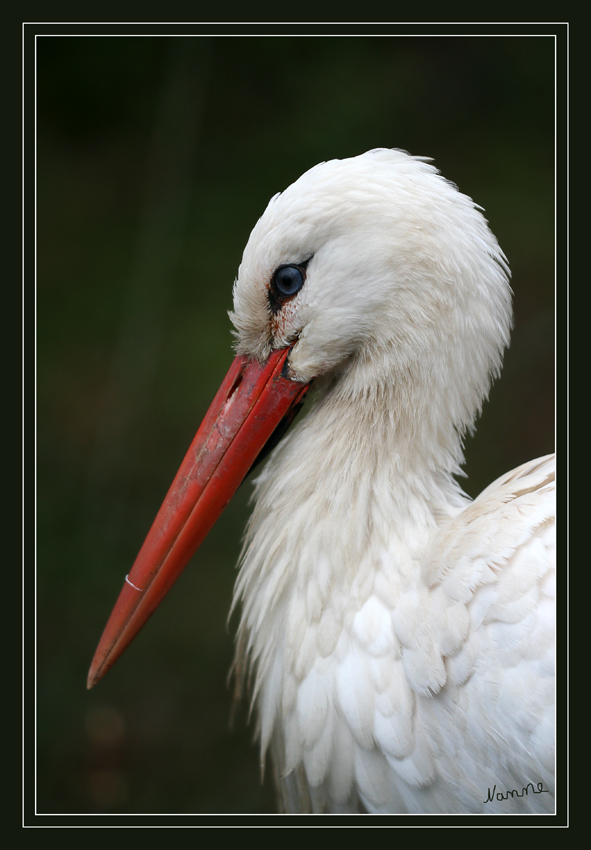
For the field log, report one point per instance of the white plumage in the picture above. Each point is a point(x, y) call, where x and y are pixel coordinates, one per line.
point(400, 636)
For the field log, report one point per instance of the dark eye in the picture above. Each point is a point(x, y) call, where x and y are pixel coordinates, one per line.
point(288, 280)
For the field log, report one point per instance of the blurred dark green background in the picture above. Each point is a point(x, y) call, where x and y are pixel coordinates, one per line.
point(155, 158)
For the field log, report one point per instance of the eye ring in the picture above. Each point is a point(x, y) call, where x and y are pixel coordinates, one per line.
point(288, 280)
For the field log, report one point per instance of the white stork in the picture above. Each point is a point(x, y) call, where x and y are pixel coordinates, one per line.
point(400, 636)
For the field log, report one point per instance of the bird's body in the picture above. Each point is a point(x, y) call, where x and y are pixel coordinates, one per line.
point(399, 636)
point(404, 667)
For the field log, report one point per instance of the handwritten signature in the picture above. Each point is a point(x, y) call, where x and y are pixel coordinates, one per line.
point(498, 795)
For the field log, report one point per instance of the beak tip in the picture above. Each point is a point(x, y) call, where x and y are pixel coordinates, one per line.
point(99, 666)
point(93, 677)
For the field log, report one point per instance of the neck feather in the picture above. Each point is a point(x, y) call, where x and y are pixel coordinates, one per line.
point(349, 498)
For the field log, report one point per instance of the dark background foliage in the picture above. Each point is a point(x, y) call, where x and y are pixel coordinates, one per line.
point(155, 158)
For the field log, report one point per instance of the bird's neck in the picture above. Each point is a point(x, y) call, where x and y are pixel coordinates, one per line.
point(352, 496)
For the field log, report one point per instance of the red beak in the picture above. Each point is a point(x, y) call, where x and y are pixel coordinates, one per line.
point(251, 402)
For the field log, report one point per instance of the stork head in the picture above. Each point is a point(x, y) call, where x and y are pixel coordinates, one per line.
point(373, 270)
point(377, 267)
